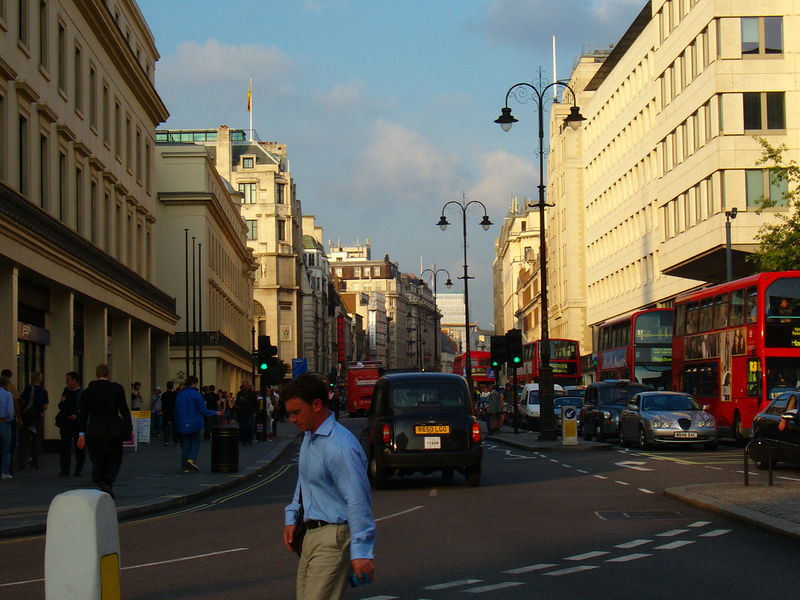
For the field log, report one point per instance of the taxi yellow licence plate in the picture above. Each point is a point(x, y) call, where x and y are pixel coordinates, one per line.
point(428, 429)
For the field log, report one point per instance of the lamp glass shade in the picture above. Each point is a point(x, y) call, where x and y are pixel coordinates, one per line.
point(448, 283)
point(443, 223)
point(486, 223)
point(506, 119)
point(574, 118)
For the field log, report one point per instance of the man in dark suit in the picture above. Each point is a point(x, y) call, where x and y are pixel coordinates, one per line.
point(106, 423)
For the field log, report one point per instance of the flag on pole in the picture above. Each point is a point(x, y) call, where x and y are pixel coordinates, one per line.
point(250, 95)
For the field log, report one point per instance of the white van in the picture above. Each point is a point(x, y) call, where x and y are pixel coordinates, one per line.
point(528, 406)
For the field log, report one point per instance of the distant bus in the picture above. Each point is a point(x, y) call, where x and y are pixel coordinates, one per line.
point(361, 379)
point(565, 360)
point(737, 346)
point(481, 366)
point(637, 347)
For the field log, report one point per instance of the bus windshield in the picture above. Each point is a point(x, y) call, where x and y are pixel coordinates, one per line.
point(654, 328)
point(563, 350)
point(782, 301)
point(783, 375)
point(655, 377)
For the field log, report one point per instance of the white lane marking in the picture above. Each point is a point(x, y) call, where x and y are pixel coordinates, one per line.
point(571, 570)
point(788, 478)
point(183, 559)
point(715, 533)
point(633, 544)
point(530, 568)
point(553, 460)
point(646, 491)
point(382, 598)
point(621, 482)
point(715, 468)
point(496, 586)
point(628, 557)
point(452, 584)
point(434, 491)
point(568, 466)
point(397, 514)
point(674, 545)
point(13, 583)
point(582, 471)
point(600, 476)
point(636, 465)
point(700, 524)
point(671, 533)
point(587, 555)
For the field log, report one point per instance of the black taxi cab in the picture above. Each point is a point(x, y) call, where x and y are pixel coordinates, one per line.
point(422, 422)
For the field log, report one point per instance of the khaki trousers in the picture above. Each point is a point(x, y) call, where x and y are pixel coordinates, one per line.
point(324, 564)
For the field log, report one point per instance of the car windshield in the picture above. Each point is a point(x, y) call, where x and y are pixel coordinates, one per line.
point(568, 401)
point(410, 396)
point(619, 394)
point(669, 402)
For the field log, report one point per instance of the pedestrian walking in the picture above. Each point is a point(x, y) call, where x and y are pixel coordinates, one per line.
point(246, 404)
point(494, 408)
point(69, 425)
point(105, 423)
point(155, 412)
point(136, 396)
point(6, 425)
point(190, 408)
point(168, 414)
point(332, 497)
point(15, 418)
point(211, 398)
point(34, 401)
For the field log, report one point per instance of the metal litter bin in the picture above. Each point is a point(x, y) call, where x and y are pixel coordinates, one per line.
point(224, 449)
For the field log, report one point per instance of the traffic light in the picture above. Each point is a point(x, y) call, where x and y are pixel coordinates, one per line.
point(514, 342)
point(498, 347)
point(266, 354)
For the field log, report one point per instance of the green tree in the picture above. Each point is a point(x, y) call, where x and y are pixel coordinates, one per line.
point(779, 242)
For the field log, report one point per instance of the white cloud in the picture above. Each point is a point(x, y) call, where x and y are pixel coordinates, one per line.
point(342, 96)
point(501, 177)
point(311, 6)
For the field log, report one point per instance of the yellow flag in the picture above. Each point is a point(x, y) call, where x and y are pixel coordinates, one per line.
point(249, 95)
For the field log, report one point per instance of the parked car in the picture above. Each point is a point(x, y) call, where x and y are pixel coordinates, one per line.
point(784, 445)
point(575, 401)
point(422, 422)
point(666, 418)
point(602, 404)
point(528, 409)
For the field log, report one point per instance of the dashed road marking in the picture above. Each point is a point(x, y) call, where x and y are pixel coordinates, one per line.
point(646, 491)
point(674, 545)
point(700, 524)
point(452, 584)
point(530, 568)
point(571, 570)
point(715, 468)
point(633, 544)
point(628, 557)
point(600, 476)
point(621, 482)
point(496, 586)
point(671, 532)
point(715, 533)
point(636, 465)
point(587, 555)
point(582, 471)
point(553, 460)
point(397, 514)
point(782, 477)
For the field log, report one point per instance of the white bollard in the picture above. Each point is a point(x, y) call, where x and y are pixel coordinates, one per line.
point(569, 426)
point(81, 557)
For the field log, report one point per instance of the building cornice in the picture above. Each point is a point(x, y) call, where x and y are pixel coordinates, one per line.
point(7, 72)
point(26, 91)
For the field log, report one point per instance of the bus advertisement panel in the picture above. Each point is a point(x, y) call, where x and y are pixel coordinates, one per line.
point(737, 346)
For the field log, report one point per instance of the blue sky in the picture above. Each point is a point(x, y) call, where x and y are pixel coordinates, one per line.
point(386, 107)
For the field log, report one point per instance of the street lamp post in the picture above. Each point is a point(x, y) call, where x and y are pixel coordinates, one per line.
point(729, 216)
point(485, 223)
point(437, 363)
point(520, 91)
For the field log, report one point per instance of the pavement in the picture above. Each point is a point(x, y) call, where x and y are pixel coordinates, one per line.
point(774, 508)
point(149, 481)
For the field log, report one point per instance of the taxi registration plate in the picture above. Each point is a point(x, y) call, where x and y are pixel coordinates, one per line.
point(428, 429)
point(433, 443)
point(685, 434)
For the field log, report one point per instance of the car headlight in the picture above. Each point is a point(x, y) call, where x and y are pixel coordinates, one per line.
point(606, 415)
point(708, 421)
point(662, 423)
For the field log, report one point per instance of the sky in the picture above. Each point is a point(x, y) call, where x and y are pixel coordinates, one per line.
point(386, 106)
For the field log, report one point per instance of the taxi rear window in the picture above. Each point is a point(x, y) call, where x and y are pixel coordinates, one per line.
point(411, 396)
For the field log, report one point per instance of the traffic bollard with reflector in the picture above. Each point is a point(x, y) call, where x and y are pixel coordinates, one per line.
point(569, 426)
point(81, 557)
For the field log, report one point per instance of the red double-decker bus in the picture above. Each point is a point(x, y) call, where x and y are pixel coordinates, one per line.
point(637, 347)
point(565, 360)
point(481, 366)
point(737, 346)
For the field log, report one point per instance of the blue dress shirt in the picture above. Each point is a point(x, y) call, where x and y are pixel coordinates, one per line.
point(333, 476)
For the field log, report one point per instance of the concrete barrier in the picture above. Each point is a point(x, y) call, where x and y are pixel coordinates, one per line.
point(81, 558)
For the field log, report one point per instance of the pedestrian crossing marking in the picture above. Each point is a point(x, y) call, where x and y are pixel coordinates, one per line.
point(452, 584)
point(496, 586)
point(571, 570)
point(530, 568)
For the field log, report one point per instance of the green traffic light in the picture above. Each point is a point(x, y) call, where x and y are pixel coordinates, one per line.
point(494, 363)
point(263, 366)
point(517, 360)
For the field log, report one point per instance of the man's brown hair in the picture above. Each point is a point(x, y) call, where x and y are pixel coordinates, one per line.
point(306, 387)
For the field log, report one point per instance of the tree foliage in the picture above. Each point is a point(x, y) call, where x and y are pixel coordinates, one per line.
point(779, 242)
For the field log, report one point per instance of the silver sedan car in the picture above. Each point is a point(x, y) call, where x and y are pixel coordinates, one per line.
point(653, 418)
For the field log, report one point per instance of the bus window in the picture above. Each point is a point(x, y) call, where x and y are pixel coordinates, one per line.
point(707, 315)
point(701, 380)
point(736, 317)
point(782, 301)
point(721, 311)
point(680, 319)
point(692, 317)
point(654, 328)
point(752, 307)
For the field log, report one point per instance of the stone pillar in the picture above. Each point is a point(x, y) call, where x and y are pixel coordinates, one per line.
point(9, 292)
point(95, 339)
point(121, 367)
point(58, 358)
point(140, 361)
point(159, 343)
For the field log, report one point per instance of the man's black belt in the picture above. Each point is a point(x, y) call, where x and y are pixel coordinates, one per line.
point(315, 523)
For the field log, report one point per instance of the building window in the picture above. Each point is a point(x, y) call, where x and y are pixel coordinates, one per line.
point(118, 130)
point(106, 117)
point(128, 144)
point(279, 193)
point(62, 58)
point(248, 162)
point(93, 216)
point(147, 167)
point(252, 229)
point(63, 192)
point(764, 111)
point(44, 168)
point(523, 225)
point(92, 97)
point(764, 187)
point(43, 50)
point(281, 230)
point(311, 259)
point(762, 35)
point(78, 200)
point(138, 155)
point(78, 80)
point(249, 191)
point(22, 23)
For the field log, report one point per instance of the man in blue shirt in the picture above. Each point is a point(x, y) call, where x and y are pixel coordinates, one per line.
point(190, 408)
point(334, 491)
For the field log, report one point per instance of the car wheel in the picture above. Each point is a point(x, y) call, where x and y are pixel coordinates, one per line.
point(377, 474)
point(643, 439)
point(474, 476)
point(447, 474)
point(711, 445)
